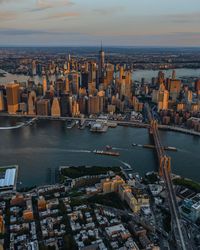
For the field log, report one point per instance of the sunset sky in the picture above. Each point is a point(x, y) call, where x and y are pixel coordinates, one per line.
point(87, 22)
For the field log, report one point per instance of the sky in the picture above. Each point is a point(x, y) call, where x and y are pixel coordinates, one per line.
point(87, 22)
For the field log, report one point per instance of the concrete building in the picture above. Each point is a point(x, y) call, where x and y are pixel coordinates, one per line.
point(2, 107)
point(12, 93)
point(191, 208)
point(43, 107)
point(112, 185)
point(55, 108)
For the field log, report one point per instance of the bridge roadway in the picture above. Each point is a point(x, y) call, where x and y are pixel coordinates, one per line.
point(179, 231)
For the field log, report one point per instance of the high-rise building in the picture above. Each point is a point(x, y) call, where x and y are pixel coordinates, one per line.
point(67, 85)
point(12, 93)
point(101, 64)
point(44, 84)
point(92, 68)
point(84, 79)
point(32, 103)
point(34, 68)
point(174, 89)
point(65, 104)
point(55, 108)
point(2, 107)
point(43, 107)
point(94, 105)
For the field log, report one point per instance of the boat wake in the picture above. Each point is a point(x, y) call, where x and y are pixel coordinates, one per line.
point(77, 151)
point(121, 149)
point(13, 127)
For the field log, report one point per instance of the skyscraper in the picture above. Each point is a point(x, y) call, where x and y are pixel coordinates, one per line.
point(1, 101)
point(12, 93)
point(43, 107)
point(44, 84)
point(101, 64)
point(31, 103)
point(55, 108)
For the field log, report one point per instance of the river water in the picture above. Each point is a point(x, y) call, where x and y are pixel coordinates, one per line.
point(137, 75)
point(41, 148)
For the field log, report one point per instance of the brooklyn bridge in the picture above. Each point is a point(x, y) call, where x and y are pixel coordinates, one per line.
point(164, 164)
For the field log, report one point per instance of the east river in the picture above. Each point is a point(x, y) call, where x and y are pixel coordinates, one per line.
point(40, 149)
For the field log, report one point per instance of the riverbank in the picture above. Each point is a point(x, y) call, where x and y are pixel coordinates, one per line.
point(118, 122)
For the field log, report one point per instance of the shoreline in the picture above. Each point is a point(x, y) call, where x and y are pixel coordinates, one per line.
point(120, 123)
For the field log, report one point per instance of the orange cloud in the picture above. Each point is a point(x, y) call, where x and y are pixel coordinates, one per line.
point(7, 15)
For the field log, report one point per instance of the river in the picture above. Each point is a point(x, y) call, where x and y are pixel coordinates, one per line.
point(41, 148)
point(137, 75)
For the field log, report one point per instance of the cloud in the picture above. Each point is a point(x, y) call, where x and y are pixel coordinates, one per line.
point(23, 32)
point(63, 15)
point(48, 4)
point(109, 11)
point(184, 18)
point(7, 15)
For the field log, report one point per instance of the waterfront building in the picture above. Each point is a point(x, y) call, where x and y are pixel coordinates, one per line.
point(111, 109)
point(55, 108)
point(12, 93)
point(8, 179)
point(65, 104)
point(22, 109)
point(32, 103)
point(75, 108)
point(2, 107)
point(82, 101)
point(43, 107)
point(94, 105)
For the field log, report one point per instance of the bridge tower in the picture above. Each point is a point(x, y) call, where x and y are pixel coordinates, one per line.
point(165, 163)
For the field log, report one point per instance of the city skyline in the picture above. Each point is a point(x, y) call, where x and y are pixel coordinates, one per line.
point(86, 23)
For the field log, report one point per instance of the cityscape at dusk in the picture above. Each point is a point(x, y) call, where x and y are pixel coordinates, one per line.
point(99, 125)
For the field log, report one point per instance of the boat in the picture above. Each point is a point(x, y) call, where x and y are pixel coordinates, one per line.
point(99, 127)
point(148, 146)
point(71, 124)
point(109, 153)
point(170, 148)
point(134, 144)
point(108, 147)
